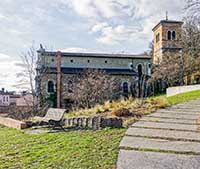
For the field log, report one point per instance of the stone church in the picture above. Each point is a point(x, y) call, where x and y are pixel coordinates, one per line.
point(61, 67)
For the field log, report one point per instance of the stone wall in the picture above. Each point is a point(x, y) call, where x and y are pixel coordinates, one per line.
point(93, 122)
point(181, 89)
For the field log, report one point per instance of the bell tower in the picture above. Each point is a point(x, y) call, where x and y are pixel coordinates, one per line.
point(167, 39)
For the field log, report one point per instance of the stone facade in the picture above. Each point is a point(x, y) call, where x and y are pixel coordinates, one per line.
point(122, 67)
point(167, 39)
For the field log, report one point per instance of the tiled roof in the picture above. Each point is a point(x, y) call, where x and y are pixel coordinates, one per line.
point(167, 21)
point(99, 55)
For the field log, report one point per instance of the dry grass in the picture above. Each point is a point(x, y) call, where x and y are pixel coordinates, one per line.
point(131, 107)
point(122, 112)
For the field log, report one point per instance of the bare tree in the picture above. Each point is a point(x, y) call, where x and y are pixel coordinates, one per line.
point(92, 87)
point(193, 8)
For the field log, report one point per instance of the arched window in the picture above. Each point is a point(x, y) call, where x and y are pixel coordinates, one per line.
point(169, 35)
point(139, 69)
point(157, 37)
point(50, 87)
point(174, 35)
point(149, 69)
point(125, 87)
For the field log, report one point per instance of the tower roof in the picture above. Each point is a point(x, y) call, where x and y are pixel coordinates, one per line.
point(167, 21)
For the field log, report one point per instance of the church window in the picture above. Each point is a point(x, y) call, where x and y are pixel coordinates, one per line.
point(139, 69)
point(157, 37)
point(125, 87)
point(174, 35)
point(169, 35)
point(50, 87)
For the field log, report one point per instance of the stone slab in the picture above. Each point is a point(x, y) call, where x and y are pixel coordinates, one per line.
point(128, 159)
point(195, 112)
point(160, 144)
point(167, 134)
point(8, 122)
point(175, 115)
point(166, 126)
point(168, 120)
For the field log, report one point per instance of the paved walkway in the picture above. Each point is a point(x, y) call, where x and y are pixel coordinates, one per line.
point(167, 139)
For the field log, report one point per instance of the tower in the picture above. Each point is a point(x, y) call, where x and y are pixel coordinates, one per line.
point(167, 39)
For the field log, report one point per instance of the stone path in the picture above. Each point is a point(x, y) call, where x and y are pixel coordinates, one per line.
point(167, 139)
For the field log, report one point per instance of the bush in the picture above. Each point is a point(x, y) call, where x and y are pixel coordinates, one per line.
point(122, 112)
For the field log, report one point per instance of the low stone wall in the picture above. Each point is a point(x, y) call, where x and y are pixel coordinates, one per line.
point(8, 122)
point(181, 89)
point(93, 122)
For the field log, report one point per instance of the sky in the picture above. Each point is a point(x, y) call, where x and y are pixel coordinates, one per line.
point(104, 26)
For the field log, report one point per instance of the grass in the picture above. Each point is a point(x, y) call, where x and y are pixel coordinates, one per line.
point(75, 149)
point(184, 97)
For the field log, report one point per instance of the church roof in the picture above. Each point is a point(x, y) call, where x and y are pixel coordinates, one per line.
point(97, 55)
point(167, 21)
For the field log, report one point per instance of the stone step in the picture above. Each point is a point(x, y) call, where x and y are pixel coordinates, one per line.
point(175, 115)
point(129, 159)
point(178, 111)
point(187, 107)
point(166, 134)
point(168, 120)
point(140, 143)
point(167, 126)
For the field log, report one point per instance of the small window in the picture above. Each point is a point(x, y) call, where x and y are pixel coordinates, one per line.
point(157, 37)
point(52, 60)
point(139, 69)
point(174, 35)
point(72, 61)
point(169, 35)
point(50, 87)
point(88, 61)
point(125, 87)
point(106, 61)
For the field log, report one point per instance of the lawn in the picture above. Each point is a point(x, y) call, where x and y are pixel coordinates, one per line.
point(75, 149)
point(184, 97)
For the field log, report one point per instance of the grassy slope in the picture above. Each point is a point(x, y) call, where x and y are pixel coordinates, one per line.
point(185, 97)
point(77, 149)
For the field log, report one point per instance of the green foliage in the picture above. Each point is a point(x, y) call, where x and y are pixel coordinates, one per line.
point(75, 149)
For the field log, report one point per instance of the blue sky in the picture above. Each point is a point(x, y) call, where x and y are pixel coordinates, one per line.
point(107, 26)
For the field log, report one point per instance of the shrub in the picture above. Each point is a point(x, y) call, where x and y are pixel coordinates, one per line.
point(122, 112)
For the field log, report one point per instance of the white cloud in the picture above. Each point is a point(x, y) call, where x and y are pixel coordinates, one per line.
point(74, 49)
point(8, 71)
point(111, 35)
point(99, 26)
point(97, 8)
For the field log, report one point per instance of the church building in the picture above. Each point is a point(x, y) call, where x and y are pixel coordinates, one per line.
point(63, 66)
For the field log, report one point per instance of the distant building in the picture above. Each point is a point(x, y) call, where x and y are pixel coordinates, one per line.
point(4, 98)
